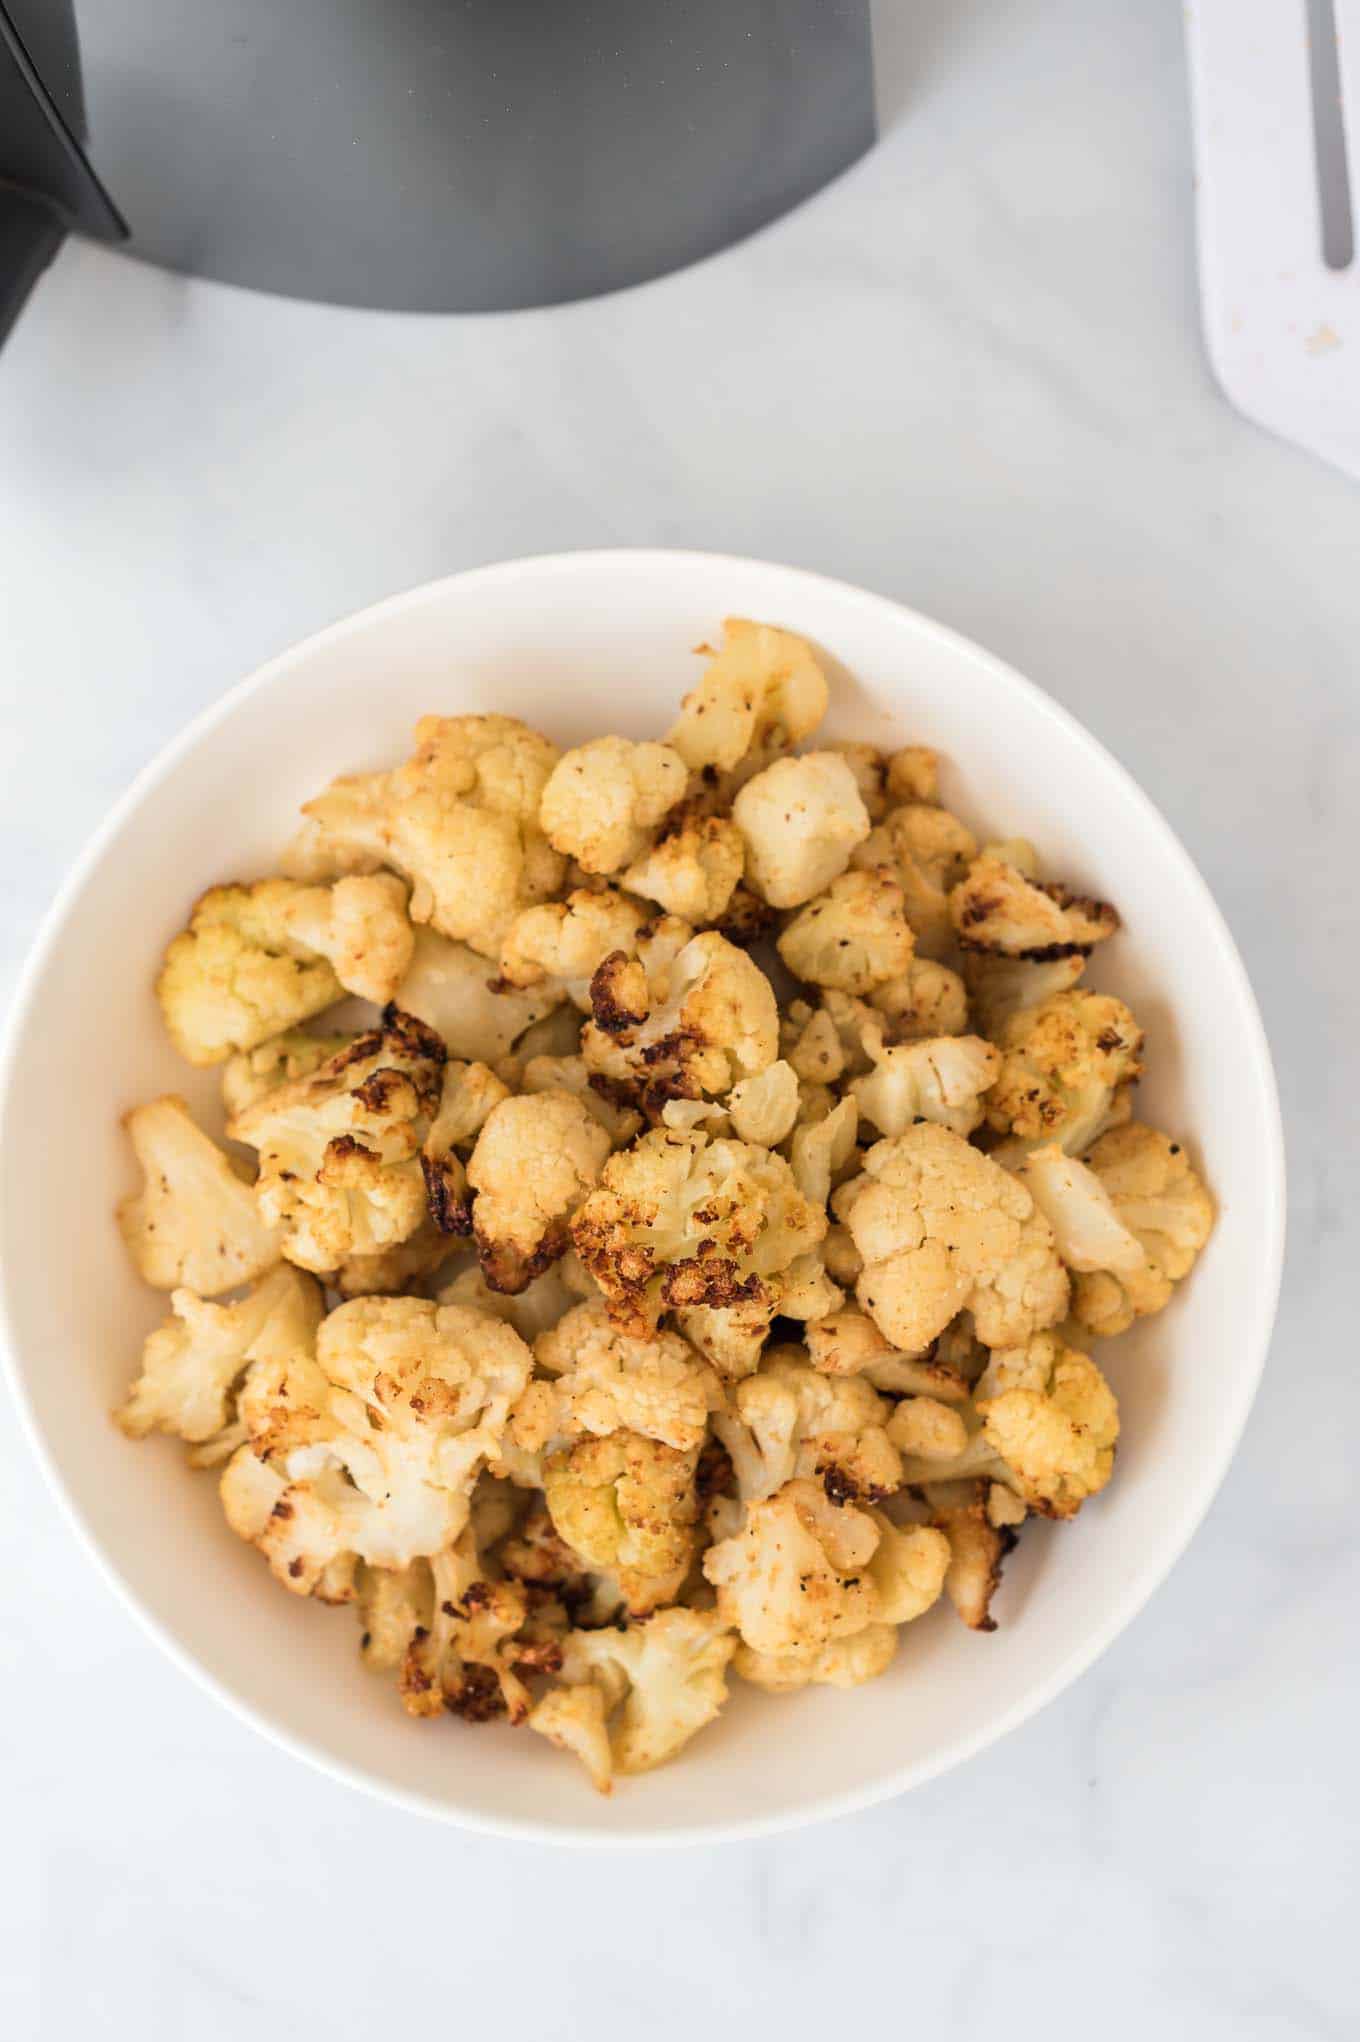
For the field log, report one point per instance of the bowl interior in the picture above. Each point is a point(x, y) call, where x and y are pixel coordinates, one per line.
point(581, 645)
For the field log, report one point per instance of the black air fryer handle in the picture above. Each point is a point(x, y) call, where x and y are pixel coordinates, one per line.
point(46, 184)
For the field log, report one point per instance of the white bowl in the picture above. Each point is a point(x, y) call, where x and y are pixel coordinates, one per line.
point(581, 644)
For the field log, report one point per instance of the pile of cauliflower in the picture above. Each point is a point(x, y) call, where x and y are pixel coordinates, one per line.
point(689, 1267)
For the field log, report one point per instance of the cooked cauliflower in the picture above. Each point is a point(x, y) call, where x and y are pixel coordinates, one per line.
point(927, 850)
point(679, 1221)
point(530, 1311)
point(536, 1158)
point(469, 1095)
point(459, 820)
point(626, 1505)
point(800, 820)
point(764, 1108)
point(563, 943)
point(733, 1337)
point(388, 1272)
point(1066, 1070)
point(690, 1030)
point(572, 1074)
point(604, 799)
point(853, 937)
point(762, 692)
point(870, 769)
point(794, 1577)
point(660, 1682)
point(941, 1080)
point(943, 1229)
point(820, 1150)
point(607, 1381)
point(811, 1042)
point(247, 1076)
point(192, 1364)
point(997, 907)
point(1000, 987)
point(694, 867)
point(340, 1170)
point(1089, 1232)
point(1156, 1197)
point(845, 1662)
point(791, 1420)
point(977, 1549)
point(195, 1223)
point(465, 1654)
point(914, 774)
point(847, 1343)
point(908, 1568)
point(927, 999)
point(456, 992)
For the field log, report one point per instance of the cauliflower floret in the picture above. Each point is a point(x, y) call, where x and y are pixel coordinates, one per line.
point(191, 1364)
point(340, 1170)
point(627, 1505)
point(680, 1221)
point(807, 1292)
point(280, 1061)
point(565, 942)
point(388, 1272)
point(456, 992)
point(914, 774)
point(870, 769)
point(791, 1420)
point(764, 1108)
point(845, 1662)
point(795, 1576)
point(690, 1030)
point(1000, 987)
point(661, 1682)
point(733, 1337)
point(927, 850)
point(762, 692)
point(1089, 1232)
point(530, 1311)
point(853, 937)
point(800, 820)
point(373, 1448)
point(572, 1074)
point(997, 907)
point(464, 1654)
point(693, 868)
point(943, 1229)
point(316, 859)
point(977, 1549)
point(607, 1381)
point(195, 1223)
point(603, 800)
point(470, 1094)
point(459, 820)
point(821, 1149)
point(849, 1344)
point(811, 1042)
point(535, 1160)
point(907, 1570)
point(1157, 1198)
point(941, 1080)
point(1066, 1070)
point(927, 999)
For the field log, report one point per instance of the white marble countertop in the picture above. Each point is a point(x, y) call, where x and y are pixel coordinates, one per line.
point(970, 375)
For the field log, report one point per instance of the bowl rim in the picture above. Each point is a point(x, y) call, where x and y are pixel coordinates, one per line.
point(1133, 1594)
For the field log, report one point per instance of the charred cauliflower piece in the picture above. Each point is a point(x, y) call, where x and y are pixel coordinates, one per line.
point(195, 1222)
point(563, 943)
point(603, 800)
point(977, 1550)
point(943, 1229)
point(192, 1364)
point(536, 1159)
point(465, 1654)
point(792, 1420)
point(800, 820)
point(941, 1080)
point(1157, 1197)
point(855, 936)
point(372, 1448)
point(626, 1505)
point(340, 1172)
point(690, 1029)
point(927, 850)
point(469, 1094)
point(761, 693)
point(680, 1221)
point(633, 1698)
point(927, 999)
point(694, 867)
point(1066, 1070)
point(459, 820)
point(997, 907)
point(606, 1381)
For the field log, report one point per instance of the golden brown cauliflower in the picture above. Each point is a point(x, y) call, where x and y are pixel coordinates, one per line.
point(1066, 1070)
point(763, 692)
point(853, 937)
point(626, 1506)
point(800, 820)
point(794, 1577)
point(466, 1650)
point(459, 820)
point(459, 994)
point(1158, 1198)
point(536, 1158)
point(791, 1419)
point(469, 1095)
point(679, 1221)
point(192, 1364)
point(247, 1076)
point(942, 1080)
point(195, 1222)
point(927, 850)
point(688, 1027)
point(914, 774)
point(977, 1551)
point(607, 1381)
point(340, 1172)
point(997, 907)
point(604, 799)
point(845, 1662)
point(694, 867)
point(372, 1448)
point(631, 1698)
point(999, 987)
point(563, 943)
point(927, 999)
point(943, 1229)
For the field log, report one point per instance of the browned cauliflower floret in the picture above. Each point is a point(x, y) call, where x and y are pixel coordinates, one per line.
point(927, 999)
point(372, 1448)
point(572, 1074)
point(820, 1150)
point(633, 1698)
point(688, 1029)
point(997, 907)
point(389, 1272)
point(914, 774)
point(999, 987)
point(626, 1505)
point(563, 943)
point(607, 1381)
point(849, 1344)
point(800, 820)
point(1156, 1197)
point(530, 1311)
point(1089, 1232)
point(455, 991)
point(941, 1080)
point(256, 960)
point(791, 1419)
point(764, 1108)
point(694, 867)
point(192, 1364)
point(459, 820)
point(284, 1058)
point(1066, 1070)
point(794, 1577)
point(469, 1095)
point(870, 769)
point(465, 1653)
point(927, 850)
point(762, 692)
point(195, 1222)
point(977, 1549)
point(340, 1170)
point(604, 799)
point(853, 937)
point(845, 1662)
point(679, 1221)
point(943, 1229)
point(536, 1158)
